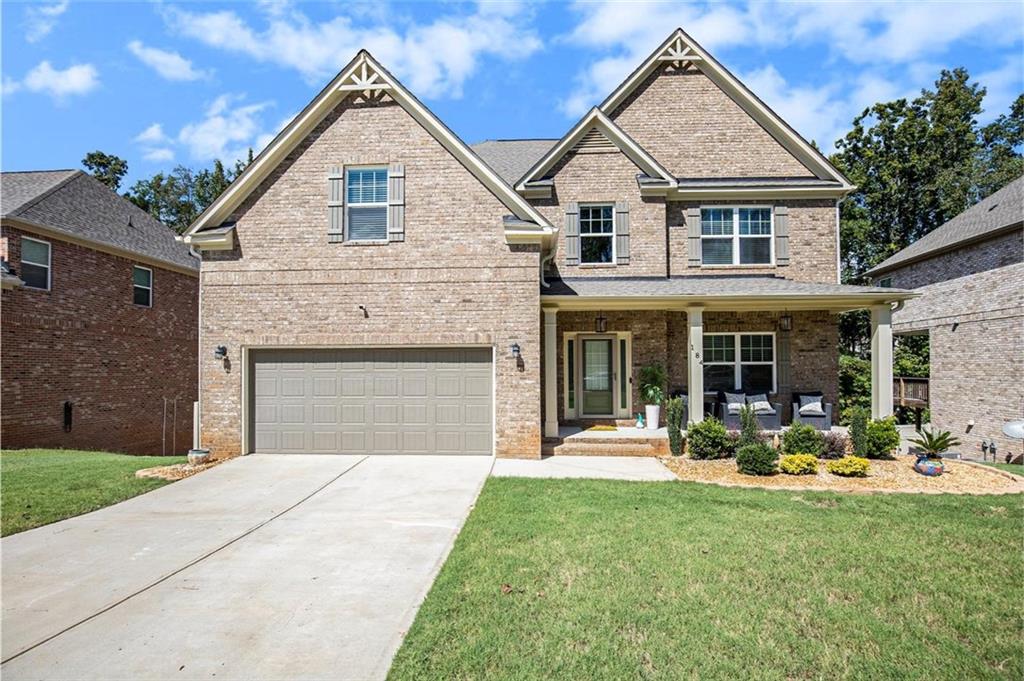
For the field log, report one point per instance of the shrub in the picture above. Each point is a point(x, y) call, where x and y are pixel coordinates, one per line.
point(732, 443)
point(883, 438)
point(674, 409)
point(802, 439)
point(935, 442)
point(707, 439)
point(799, 464)
point(750, 432)
point(849, 467)
point(652, 384)
point(859, 431)
point(756, 459)
point(835, 446)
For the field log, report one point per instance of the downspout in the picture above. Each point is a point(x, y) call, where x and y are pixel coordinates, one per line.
point(543, 261)
point(197, 406)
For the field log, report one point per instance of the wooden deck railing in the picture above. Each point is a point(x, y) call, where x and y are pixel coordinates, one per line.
point(910, 391)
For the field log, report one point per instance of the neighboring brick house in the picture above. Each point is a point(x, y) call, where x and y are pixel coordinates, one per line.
point(99, 317)
point(970, 274)
point(372, 284)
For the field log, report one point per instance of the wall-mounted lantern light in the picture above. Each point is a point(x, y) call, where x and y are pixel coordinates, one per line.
point(600, 324)
point(786, 322)
point(514, 349)
point(220, 352)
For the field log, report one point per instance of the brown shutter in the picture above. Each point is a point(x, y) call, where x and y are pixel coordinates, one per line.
point(622, 233)
point(783, 380)
point(781, 235)
point(693, 249)
point(336, 205)
point(572, 234)
point(396, 202)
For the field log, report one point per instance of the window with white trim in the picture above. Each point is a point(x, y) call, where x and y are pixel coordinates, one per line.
point(142, 286)
point(35, 263)
point(743, 362)
point(597, 234)
point(736, 235)
point(366, 204)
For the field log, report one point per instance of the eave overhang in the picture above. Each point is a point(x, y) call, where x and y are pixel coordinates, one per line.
point(524, 232)
point(724, 303)
point(218, 239)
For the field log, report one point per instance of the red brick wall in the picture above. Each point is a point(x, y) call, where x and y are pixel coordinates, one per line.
point(84, 341)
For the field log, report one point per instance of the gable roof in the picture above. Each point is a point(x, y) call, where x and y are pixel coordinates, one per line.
point(596, 119)
point(679, 48)
point(365, 74)
point(75, 205)
point(1000, 212)
point(512, 158)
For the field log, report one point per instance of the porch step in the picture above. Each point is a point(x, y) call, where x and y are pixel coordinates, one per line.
point(605, 447)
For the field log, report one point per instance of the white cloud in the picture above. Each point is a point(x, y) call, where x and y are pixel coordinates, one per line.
point(1003, 84)
point(158, 155)
point(435, 59)
point(77, 79)
point(40, 20)
point(154, 134)
point(169, 65)
point(226, 131)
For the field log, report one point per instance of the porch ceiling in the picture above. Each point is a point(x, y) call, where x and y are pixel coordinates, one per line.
point(722, 292)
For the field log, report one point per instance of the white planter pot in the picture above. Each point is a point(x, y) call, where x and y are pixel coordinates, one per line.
point(653, 414)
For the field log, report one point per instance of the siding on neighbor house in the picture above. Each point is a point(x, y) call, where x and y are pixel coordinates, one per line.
point(84, 341)
point(452, 281)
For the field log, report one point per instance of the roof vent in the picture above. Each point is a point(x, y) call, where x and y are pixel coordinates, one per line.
point(594, 142)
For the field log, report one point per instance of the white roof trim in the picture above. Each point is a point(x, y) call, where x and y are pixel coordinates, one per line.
point(596, 118)
point(680, 48)
point(363, 74)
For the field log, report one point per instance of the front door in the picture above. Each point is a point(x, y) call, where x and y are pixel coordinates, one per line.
point(597, 377)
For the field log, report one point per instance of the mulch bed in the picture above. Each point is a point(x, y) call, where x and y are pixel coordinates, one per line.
point(884, 476)
point(178, 471)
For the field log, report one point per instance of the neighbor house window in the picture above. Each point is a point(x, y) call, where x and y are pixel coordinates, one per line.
point(142, 286)
point(35, 263)
point(736, 236)
point(366, 203)
point(885, 283)
point(597, 234)
point(742, 362)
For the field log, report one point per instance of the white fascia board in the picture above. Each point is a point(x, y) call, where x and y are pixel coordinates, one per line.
point(834, 303)
point(739, 93)
point(725, 193)
point(212, 240)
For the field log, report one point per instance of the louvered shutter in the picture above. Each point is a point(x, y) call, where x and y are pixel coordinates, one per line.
point(622, 233)
point(572, 234)
point(693, 249)
point(396, 202)
point(336, 205)
point(781, 235)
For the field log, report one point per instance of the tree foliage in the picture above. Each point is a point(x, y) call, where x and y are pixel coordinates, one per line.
point(106, 168)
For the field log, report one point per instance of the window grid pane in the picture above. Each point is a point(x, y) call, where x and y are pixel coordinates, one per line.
point(596, 220)
point(755, 221)
point(719, 348)
point(34, 276)
point(142, 277)
point(755, 251)
point(595, 249)
point(367, 224)
point(716, 221)
point(756, 348)
point(719, 377)
point(35, 252)
point(367, 185)
point(716, 251)
point(756, 378)
point(142, 296)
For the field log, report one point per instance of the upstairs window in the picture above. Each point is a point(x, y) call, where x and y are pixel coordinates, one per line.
point(35, 263)
point(366, 203)
point(736, 236)
point(142, 286)
point(597, 234)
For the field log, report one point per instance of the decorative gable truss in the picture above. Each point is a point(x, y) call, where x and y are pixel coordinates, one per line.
point(365, 79)
point(595, 133)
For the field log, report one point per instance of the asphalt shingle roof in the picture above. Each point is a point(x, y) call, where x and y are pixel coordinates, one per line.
point(512, 158)
point(1001, 210)
point(704, 286)
point(78, 204)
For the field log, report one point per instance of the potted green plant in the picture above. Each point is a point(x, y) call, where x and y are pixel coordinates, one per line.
point(652, 392)
point(933, 445)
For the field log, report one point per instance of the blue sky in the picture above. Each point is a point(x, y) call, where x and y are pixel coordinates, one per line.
point(185, 82)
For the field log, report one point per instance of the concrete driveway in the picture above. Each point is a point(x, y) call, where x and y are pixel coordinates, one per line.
point(266, 567)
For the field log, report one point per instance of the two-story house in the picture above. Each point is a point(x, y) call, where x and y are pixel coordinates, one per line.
point(372, 284)
point(98, 320)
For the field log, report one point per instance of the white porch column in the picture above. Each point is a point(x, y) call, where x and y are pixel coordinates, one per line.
point(881, 361)
point(550, 372)
point(694, 363)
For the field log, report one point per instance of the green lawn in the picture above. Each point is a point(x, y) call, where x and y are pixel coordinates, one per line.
point(576, 579)
point(1009, 467)
point(41, 486)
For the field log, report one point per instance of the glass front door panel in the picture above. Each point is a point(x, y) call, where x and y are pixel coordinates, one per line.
point(597, 377)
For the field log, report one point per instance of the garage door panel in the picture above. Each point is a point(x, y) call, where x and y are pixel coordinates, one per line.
point(383, 400)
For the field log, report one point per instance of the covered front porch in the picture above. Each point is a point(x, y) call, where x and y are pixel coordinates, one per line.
point(752, 335)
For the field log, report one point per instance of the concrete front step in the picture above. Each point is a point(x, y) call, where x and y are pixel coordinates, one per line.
point(576, 447)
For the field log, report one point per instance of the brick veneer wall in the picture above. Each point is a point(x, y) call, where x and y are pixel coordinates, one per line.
point(695, 130)
point(84, 341)
point(1000, 251)
point(453, 281)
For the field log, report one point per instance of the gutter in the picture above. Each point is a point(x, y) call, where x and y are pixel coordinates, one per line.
point(543, 261)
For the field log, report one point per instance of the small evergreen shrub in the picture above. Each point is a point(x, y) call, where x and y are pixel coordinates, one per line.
point(799, 464)
point(802, 439)
point(835, 446)
point(849, 467)
point(707, 439)
point(732, 444)
point(882, 438)
point(750, 432)
point(674, 409)
point(859, 431)
point(756, 459)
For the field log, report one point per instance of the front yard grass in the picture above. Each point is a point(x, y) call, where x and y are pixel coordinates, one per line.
point(616, 580)
point(1016, 468)
point(42, 486)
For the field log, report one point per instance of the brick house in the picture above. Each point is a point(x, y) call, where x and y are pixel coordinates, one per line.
point(373, 284)
point(99, 320)
point(970, 274)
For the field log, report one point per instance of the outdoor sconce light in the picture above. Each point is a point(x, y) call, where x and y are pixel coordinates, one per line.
point(220, 352)
point(992, 449)
point(600, 324)
point(514, 348)
point(786, 323)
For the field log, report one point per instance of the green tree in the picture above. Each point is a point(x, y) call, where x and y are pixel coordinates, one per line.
point(106, 168)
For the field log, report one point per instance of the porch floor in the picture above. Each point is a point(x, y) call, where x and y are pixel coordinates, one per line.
point(627, 433)
point(623, 441)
